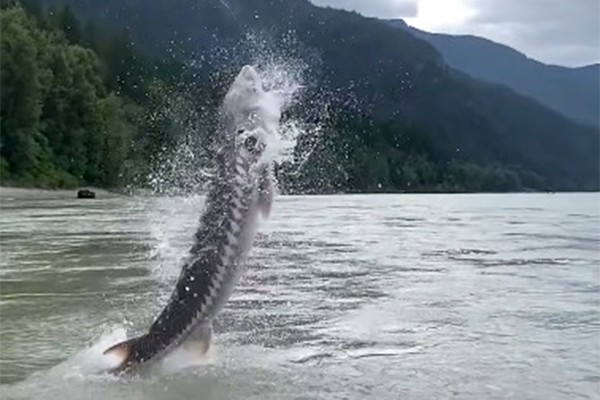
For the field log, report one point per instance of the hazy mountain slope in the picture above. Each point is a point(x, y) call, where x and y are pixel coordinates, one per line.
point(574, 92)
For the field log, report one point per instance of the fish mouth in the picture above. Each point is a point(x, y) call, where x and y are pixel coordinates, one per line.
point(250, 75)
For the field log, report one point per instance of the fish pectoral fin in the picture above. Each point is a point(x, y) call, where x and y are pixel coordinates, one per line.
point(266, 192)
point(199, 340)
point(196, 347)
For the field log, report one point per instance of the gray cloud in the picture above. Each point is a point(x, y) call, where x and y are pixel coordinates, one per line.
point(375, 8)
point(565, 32)
point(553, 31)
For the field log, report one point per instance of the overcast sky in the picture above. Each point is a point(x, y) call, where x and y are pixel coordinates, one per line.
point(564, 32)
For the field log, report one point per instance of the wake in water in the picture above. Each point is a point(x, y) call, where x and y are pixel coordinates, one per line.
point(88, 364)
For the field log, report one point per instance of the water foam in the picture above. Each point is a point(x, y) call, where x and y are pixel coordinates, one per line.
point(89, 363)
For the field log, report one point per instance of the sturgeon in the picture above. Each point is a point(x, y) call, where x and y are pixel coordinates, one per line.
point(241, 190)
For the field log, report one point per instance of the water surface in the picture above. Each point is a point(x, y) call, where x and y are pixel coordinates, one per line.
point(345, 297)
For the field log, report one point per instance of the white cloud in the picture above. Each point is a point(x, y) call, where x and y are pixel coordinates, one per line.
point(565, 32)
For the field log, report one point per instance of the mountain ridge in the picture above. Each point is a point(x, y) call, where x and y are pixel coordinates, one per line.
point(572, 91)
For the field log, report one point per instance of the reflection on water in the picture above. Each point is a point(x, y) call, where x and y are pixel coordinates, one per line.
point(383, 297)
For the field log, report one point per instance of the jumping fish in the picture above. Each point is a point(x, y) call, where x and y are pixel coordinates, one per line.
point(242, 189)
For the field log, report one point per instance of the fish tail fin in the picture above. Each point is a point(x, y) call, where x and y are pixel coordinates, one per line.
point(123, 352)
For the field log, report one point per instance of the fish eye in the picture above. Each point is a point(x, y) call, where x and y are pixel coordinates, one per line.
point(250, 143)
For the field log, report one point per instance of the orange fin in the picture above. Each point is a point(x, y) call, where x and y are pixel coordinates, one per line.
point(122, 351)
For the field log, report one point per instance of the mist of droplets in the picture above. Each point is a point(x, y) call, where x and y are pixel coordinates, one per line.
point(182, 171)
point(288, 72)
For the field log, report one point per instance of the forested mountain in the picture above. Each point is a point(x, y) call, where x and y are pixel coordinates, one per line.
point(60, 124)
point(400, 118)
point(573, 92)
point(79, 105)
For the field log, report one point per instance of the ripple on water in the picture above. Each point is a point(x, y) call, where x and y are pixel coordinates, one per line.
point(464, 303)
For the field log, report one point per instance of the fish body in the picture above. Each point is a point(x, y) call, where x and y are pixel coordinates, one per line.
point(240, 192)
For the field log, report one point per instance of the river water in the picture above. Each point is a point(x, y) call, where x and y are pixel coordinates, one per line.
point(345, 297)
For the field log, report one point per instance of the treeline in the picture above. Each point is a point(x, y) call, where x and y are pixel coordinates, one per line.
point(61, 125)
point(357, 155)
point(79, 105)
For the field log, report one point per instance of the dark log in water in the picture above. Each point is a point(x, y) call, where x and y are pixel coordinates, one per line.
point(86, 194)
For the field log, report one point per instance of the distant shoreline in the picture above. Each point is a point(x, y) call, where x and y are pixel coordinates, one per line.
point(11, 191)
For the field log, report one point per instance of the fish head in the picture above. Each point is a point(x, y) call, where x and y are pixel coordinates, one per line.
point(251, 115)
point(242, 103)
point(244, 92)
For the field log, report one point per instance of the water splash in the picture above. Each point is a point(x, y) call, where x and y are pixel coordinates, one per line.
point(289, 73)
point(171, 235)
point(85, 374)
point(183, 124)
point(87, 364)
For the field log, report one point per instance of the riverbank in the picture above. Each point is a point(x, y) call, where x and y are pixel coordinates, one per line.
point(28, 193)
